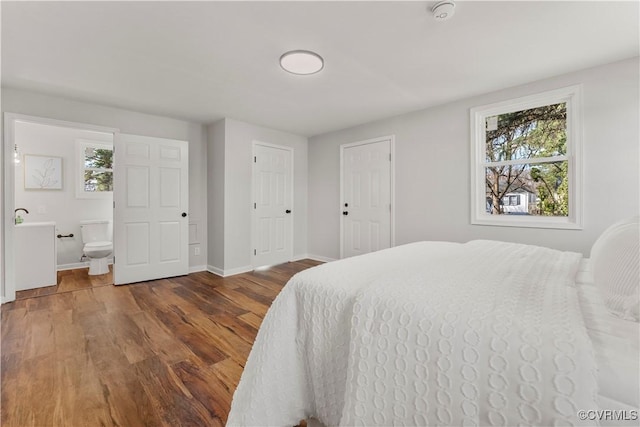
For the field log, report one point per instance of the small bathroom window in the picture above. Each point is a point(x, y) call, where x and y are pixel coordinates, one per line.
point(95, 177)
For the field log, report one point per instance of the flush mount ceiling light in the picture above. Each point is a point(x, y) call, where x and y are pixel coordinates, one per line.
point(443, 10)
point(301, 62)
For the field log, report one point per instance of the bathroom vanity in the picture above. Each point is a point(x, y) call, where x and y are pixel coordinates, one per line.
point(35, 255)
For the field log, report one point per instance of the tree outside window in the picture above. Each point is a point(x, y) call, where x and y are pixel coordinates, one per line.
point(522, 136)
point(98, 169)
point(95, 162)
point(527, 160)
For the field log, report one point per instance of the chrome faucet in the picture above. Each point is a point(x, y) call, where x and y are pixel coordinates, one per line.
point(17, 219)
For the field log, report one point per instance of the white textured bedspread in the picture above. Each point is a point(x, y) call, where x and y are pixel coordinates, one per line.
point(430, 333)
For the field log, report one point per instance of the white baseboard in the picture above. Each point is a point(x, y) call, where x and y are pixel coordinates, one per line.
point(238, 270)
point(313, 257)
point(233, 271)
point(74, 265)
point(230, 272)
point(215, 270)
point(197, 268)
point(320, 258)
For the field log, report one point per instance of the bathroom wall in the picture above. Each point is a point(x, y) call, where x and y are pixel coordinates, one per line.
point(61, 206)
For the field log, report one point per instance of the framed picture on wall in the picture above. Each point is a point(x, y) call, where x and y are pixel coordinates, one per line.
point(42, 172)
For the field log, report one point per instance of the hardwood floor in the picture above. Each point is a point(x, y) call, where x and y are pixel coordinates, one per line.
point(163, 353)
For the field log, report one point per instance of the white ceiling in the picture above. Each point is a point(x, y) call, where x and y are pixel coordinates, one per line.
point(202, 61)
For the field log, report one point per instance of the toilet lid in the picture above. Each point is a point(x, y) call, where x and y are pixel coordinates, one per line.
point(98, 245)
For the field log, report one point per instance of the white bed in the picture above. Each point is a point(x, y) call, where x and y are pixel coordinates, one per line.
point(438, 333)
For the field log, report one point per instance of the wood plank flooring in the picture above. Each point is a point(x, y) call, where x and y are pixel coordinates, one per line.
point(162, 353)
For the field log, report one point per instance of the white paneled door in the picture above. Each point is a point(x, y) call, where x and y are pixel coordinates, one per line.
point(273, 202)
point(366, 197)
point(151, 200)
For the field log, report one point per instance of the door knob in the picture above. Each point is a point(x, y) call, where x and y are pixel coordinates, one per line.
point(184, 214)
point(287, 211)
point(345, 213)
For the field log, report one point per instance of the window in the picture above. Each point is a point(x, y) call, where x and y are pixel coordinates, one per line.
point(525, 166)
point(511, 200)
point(95, 161)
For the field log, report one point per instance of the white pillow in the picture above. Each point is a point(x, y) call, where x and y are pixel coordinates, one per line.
point(615, 261)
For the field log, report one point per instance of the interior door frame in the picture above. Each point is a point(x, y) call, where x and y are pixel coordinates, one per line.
point(392, 183)
point(10, 120)
point(254, 219)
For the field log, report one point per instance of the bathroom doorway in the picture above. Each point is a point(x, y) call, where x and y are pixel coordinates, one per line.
point(57, 175)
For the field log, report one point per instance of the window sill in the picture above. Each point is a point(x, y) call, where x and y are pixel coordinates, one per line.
point(524, 221)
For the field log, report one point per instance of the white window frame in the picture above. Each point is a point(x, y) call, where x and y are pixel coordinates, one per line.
point(572, 95)
point(81, 145)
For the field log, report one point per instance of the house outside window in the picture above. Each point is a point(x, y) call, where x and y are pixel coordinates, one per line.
point(525, 166)
point(95, 166)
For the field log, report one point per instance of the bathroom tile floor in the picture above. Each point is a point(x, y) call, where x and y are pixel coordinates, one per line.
point(68, 281)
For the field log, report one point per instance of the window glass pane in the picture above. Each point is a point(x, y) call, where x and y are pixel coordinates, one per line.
point(98, 181)
point(526, 134)
point(98, 158)
point(540, 189)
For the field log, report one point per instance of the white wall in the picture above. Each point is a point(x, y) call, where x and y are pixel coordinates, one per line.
point(432, 203)
point(215, 194)
point(41, 105)
point(60, 206)
point(237, 198)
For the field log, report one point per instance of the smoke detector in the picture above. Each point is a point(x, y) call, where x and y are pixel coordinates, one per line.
point(443, 10)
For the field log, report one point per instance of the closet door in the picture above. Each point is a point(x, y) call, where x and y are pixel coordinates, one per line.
point(366, 194)
point(273, 201)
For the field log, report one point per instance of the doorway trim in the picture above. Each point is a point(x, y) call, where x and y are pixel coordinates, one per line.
point(392, 183)
point(254, 235)
point(10, 119)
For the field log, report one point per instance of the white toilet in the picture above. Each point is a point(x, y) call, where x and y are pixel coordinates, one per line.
point(96, 236)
